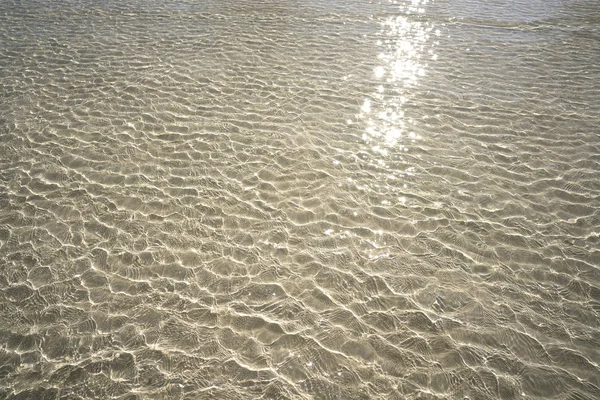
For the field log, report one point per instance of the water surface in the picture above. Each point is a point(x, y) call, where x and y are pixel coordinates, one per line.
point(296, 200)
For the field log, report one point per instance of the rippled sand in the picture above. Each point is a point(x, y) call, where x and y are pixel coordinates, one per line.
point(296, 200)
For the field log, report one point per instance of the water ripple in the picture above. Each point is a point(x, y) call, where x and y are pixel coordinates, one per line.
point(332, 200)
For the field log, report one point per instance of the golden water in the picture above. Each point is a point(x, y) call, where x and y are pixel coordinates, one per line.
point(295, 200)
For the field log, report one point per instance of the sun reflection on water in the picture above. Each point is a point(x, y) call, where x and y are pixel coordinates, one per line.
point(405, 44)
point(405, 47)
point(403, 41)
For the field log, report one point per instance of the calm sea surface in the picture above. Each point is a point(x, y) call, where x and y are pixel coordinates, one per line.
point(277, 199)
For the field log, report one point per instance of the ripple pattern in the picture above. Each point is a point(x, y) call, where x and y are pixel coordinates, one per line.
point(201, 200)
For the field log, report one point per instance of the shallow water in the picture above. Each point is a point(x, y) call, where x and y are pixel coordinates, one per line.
point(295, 200)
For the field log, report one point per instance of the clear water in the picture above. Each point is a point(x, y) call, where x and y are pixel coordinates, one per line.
point(294, 200)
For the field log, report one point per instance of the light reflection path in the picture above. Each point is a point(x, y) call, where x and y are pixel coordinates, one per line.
point(404, 41)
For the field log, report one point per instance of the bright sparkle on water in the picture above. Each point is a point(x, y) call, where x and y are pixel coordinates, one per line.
point(403, 42)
